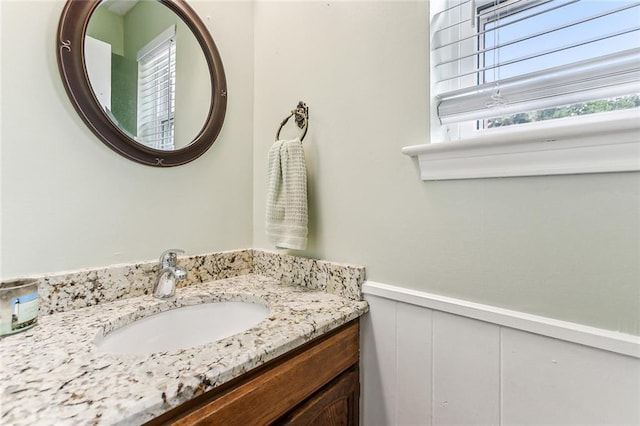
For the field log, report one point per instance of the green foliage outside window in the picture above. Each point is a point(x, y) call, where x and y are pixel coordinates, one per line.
point(625, 102)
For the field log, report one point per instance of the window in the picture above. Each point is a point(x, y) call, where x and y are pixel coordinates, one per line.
point(538, 71)
point(504, 62)
point(156, 91)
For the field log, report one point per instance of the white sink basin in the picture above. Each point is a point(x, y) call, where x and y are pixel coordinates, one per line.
point(183, 328)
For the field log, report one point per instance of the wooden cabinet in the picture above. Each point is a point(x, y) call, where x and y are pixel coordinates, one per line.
point(335, 405)
point(316, 384)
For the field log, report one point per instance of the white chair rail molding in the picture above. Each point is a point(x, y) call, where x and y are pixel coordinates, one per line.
point(532, 88)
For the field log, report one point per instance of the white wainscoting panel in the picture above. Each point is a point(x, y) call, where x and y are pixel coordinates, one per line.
point(424, 362)
point(547, 381)
point(378, 353)
point(413, 354)
point(466, 366)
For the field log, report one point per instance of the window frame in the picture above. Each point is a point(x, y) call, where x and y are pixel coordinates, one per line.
point(597, 143)
point(164, 122)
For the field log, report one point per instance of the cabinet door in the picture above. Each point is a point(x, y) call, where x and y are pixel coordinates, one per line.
point(334, 405)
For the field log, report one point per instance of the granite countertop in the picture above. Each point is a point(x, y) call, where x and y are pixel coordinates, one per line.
point(53, 373)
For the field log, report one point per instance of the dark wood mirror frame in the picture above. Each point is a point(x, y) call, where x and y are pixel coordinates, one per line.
point(70, 52)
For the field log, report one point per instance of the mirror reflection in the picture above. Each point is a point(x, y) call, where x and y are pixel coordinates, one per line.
point(148, 72)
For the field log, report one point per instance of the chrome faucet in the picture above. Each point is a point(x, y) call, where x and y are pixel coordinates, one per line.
point(170, 272)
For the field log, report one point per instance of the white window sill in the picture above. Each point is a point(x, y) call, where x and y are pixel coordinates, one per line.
point(607, 142)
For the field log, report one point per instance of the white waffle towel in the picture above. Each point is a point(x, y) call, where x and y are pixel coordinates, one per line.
point(287, 195)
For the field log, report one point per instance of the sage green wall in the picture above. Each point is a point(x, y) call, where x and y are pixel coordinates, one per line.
point(69, 202)
point(108, 27)
point(565, 247)
point(144, 22)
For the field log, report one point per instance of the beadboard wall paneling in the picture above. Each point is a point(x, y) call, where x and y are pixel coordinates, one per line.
point(425, 366)
point(413, 385)
point(378, 351)
point(466, 366)
point(549, 381)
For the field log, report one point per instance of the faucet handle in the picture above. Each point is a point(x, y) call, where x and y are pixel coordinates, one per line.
point(169, 257)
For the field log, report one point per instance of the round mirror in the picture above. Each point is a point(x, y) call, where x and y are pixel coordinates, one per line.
point(145, 76)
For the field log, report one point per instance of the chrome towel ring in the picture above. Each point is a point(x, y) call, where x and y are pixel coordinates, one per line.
point(302, 120)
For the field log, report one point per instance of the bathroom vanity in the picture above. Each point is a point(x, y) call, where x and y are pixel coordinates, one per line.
point(297, 365)
point(316, 384)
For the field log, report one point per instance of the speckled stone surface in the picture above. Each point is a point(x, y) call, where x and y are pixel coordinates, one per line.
point(73, 290)
point(54, 374)
point(336, 278)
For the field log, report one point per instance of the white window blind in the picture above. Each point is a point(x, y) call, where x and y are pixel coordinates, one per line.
point(156, 91)
point(493, 58)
